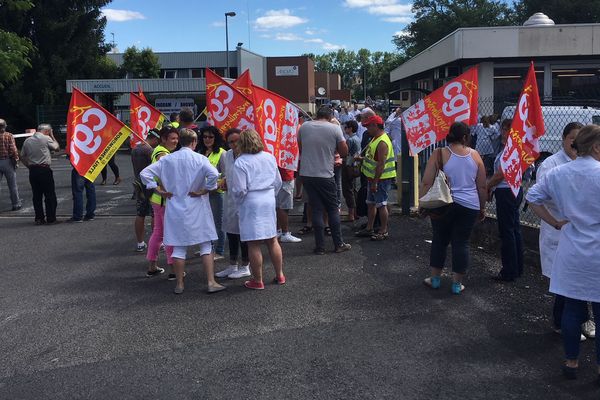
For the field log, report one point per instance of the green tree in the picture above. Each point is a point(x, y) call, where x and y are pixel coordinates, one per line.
point(435, 19)
point(68, 43)
point(14, 50)
point(140, 63)
point(560, 11)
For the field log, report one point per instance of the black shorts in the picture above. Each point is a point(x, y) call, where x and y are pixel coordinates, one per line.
point(143, 208)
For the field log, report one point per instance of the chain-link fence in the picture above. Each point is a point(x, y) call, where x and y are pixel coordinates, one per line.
point(556, 115)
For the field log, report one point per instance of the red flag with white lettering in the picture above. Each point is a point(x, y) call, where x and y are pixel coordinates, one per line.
point(143, 118)
point(276, 120)
point(227, 107)
point(428, 121)
point(141, 93)
point(522, 144)
point(93, 135)
point(244, 84)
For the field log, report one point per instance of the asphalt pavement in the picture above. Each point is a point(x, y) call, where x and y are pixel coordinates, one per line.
point(79, 319)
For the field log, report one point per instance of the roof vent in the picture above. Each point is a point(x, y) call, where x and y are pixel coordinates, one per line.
point(538, 19)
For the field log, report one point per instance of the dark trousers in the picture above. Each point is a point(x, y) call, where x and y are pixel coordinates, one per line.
point(78, 184)
point(42, 186)
point(322, 197)
point(234, 245)
point(509, 226)
point(576, 313)
point(348, 187)
point(114, 168)
point(453, 227)
point(559, 307)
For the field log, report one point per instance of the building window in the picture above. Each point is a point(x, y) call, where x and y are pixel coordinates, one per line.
point(508, 82)
point(233, 72)
point(575, 83)
point(219, 71)
point(198, 73)
point(170, 74)
point(405, 96)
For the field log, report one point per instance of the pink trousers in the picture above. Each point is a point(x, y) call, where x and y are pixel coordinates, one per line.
point(157, 236)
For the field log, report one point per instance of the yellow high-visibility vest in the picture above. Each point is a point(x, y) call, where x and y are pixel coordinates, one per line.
point(158, 150)
point(369, 164)
point(214, 159)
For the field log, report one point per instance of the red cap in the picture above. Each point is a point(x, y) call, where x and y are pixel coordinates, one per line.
point(375, 119)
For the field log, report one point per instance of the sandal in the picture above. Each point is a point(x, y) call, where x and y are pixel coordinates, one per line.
point(306, 229)
point(365, 233)
point(327, 231)
point(379, 236)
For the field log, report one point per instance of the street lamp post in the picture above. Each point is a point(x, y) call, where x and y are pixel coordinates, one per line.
point(228, 14)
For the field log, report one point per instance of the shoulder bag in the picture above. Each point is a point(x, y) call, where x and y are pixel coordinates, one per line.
point(439, 194)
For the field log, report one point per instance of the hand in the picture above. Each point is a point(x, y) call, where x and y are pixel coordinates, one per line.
point(162, 193)
point(481, 216)
point(358, 158)
point(560, 224)
point(199, 193)
point(222, 184)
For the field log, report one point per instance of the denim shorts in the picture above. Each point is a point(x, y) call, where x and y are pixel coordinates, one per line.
point(380, 197)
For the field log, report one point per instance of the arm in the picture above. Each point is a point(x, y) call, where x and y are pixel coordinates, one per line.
point(430, 173)
point(544, 214)
point(211, 175)
point(148, 175)
point(480, 183)
point(495, 180)
point(12, 151)
point(53, 143)
point(238, 186)
point(24, 155)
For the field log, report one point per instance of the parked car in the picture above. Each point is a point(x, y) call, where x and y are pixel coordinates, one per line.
point(555, 119)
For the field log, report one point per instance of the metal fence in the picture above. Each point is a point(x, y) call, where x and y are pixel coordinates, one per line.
point(556, 114)
point(55, 116)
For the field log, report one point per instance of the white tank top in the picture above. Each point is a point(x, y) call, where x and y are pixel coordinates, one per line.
point(462, 175)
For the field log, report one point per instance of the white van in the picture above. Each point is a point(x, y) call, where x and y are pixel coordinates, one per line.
point(555, 119)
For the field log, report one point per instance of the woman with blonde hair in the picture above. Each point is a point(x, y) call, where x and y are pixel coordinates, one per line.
point(573, 188)
point(254, 183)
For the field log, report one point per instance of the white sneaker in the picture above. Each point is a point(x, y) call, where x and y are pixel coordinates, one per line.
point(289, 238)
point(141, 247)
point(242, 272)
point(588, 328)
point(227, 271)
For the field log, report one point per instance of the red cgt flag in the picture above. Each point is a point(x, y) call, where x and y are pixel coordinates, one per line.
point(227, 107)
point(522, 144)
point(244, 84)
point(141, 93)
point(143, 118)
point(93, 135)
point(428, 121)
point(276, 120)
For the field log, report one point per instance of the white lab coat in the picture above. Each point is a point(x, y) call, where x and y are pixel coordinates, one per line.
point(254, 183)
point(393, 127)
point(188, 220)
point(574, 188)
point(231, 221)
point(548, 235)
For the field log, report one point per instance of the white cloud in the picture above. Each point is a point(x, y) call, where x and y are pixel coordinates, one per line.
point(366, 3)
point(121, 15)
point(218, 24)
point(287, 37)
point(391, 9)
point(401, 33)
point(401, 20)
point(310, 32)
point(331, 46)
point(315, 40)
point(282, 19)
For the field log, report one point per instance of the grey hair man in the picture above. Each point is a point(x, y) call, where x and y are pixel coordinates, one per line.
point(9, 158)
point(35, 155)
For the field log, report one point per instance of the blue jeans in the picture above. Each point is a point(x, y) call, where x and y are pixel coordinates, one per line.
point(78, 183)
point(216, 205)
point(575, 313)
point(509, 226)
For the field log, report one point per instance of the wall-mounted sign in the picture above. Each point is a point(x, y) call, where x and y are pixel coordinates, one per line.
point(168, 106)
point(102, 87)
point(287, 70)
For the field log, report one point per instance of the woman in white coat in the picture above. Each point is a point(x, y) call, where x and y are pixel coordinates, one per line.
point(254, 183)
point(186, 178)
point(231, 220)
point(574, 189)
point(548, 235)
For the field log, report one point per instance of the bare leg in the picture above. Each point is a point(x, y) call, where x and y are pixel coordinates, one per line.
point(208, 260)
point(256, 260)
point(383, 218)
point(179, 267)
point(436, 271)
point(139, 229)
point(371, 214)
point(282, 220)
point(276, 255)
point(456, 277)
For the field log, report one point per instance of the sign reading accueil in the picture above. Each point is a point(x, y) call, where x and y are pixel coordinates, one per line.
point(286, 70)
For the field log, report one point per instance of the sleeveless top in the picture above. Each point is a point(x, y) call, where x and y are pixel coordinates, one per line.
point(462, 175)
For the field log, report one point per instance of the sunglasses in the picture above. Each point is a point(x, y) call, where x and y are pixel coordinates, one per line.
point(208, 137)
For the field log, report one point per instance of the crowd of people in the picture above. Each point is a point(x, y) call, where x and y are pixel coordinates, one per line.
point(204, 188)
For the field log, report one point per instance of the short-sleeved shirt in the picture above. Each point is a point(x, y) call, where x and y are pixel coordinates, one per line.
point(141, 157)
point(319, 140)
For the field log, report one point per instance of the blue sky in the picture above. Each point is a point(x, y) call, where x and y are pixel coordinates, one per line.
point(268, 27)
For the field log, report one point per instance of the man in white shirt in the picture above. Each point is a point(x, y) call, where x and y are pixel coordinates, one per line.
point(393, 127)
point(186, 178)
